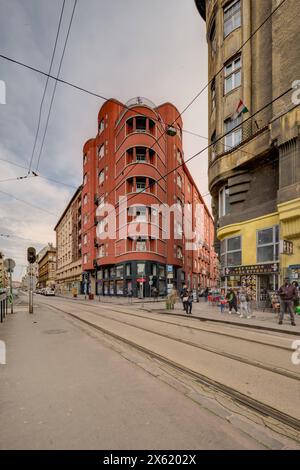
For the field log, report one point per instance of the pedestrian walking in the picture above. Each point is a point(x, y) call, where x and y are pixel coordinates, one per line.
point(297, 300)
point(206, 293)
point(223, 301)
point(155, 294)
point(288, 295)
point(130, 295)
point(232, 301)
point(188, 302)
point(244, 304)
point(183, 294)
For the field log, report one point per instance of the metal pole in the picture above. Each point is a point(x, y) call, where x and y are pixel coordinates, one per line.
point(11, 293)
point(30, 290)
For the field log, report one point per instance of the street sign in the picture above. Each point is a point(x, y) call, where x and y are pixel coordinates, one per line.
point(286, 247)
point(9, 265)
point(169, 268)
point(141, 280)
point(150, 283)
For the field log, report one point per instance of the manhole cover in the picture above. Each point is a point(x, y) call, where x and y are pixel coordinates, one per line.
point(54, 332)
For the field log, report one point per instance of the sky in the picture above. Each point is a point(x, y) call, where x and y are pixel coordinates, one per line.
point(118, 48)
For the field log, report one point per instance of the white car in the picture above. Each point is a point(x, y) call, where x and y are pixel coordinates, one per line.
point(49, 291)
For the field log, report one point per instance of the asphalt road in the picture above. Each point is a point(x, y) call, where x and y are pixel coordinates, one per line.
point(65, 387)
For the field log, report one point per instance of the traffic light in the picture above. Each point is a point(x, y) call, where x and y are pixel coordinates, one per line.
point(31, 255)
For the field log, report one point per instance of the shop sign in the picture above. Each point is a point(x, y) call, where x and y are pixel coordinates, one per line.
point(252, 269)
point(286, 247)
point(141, 279)
point(295, 271)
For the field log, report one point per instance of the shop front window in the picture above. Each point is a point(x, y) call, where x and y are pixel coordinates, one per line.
point(154, 270)
point(120, 272)
point(120, 287)
point(162, 271)
point(128, 269)
point(141, 269)
point(113, 272)
point(268, 245)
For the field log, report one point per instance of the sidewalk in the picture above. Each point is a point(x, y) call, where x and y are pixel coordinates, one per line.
point(264, 320)
point(65, 388)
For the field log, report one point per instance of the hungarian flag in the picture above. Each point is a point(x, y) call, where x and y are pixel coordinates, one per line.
point(241, 109)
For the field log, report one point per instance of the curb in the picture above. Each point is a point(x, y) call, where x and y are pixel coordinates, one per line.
point(237, 323)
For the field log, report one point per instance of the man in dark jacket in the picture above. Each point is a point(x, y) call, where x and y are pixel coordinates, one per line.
point(232, 301)
point(287, 294)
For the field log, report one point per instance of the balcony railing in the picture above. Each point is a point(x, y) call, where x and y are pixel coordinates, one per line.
point(249, 129)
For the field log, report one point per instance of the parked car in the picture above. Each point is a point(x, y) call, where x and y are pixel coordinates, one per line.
point(49, 291)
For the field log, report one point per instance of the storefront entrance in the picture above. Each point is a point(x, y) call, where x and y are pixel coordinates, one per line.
point(266, 285)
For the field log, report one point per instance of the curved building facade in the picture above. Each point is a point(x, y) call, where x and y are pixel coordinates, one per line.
point(131, 177)
point(254, 160)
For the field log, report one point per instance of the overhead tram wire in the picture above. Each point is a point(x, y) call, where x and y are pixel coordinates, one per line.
point(193, 156)
point(55, 86)
point(46, 86)
point(27, 203)
point(206, 148)
point(35, 175)
point(198, 94)
point(238, 148)
point(57, 79)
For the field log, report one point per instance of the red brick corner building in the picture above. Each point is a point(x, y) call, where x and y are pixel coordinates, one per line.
point(130, 156)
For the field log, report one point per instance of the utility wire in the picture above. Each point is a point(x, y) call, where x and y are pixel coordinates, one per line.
point(55, 86)
point(28, 203)
point(46, 86)
point(33, 174)
point(217, 140)
point(237, 148)
point(197, 96)
point(57, 79)
point(193, 156)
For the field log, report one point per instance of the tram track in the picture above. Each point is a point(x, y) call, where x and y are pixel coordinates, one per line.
point(246, 326)
point(222, 353)
point(196, 328)
point(260, 407)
